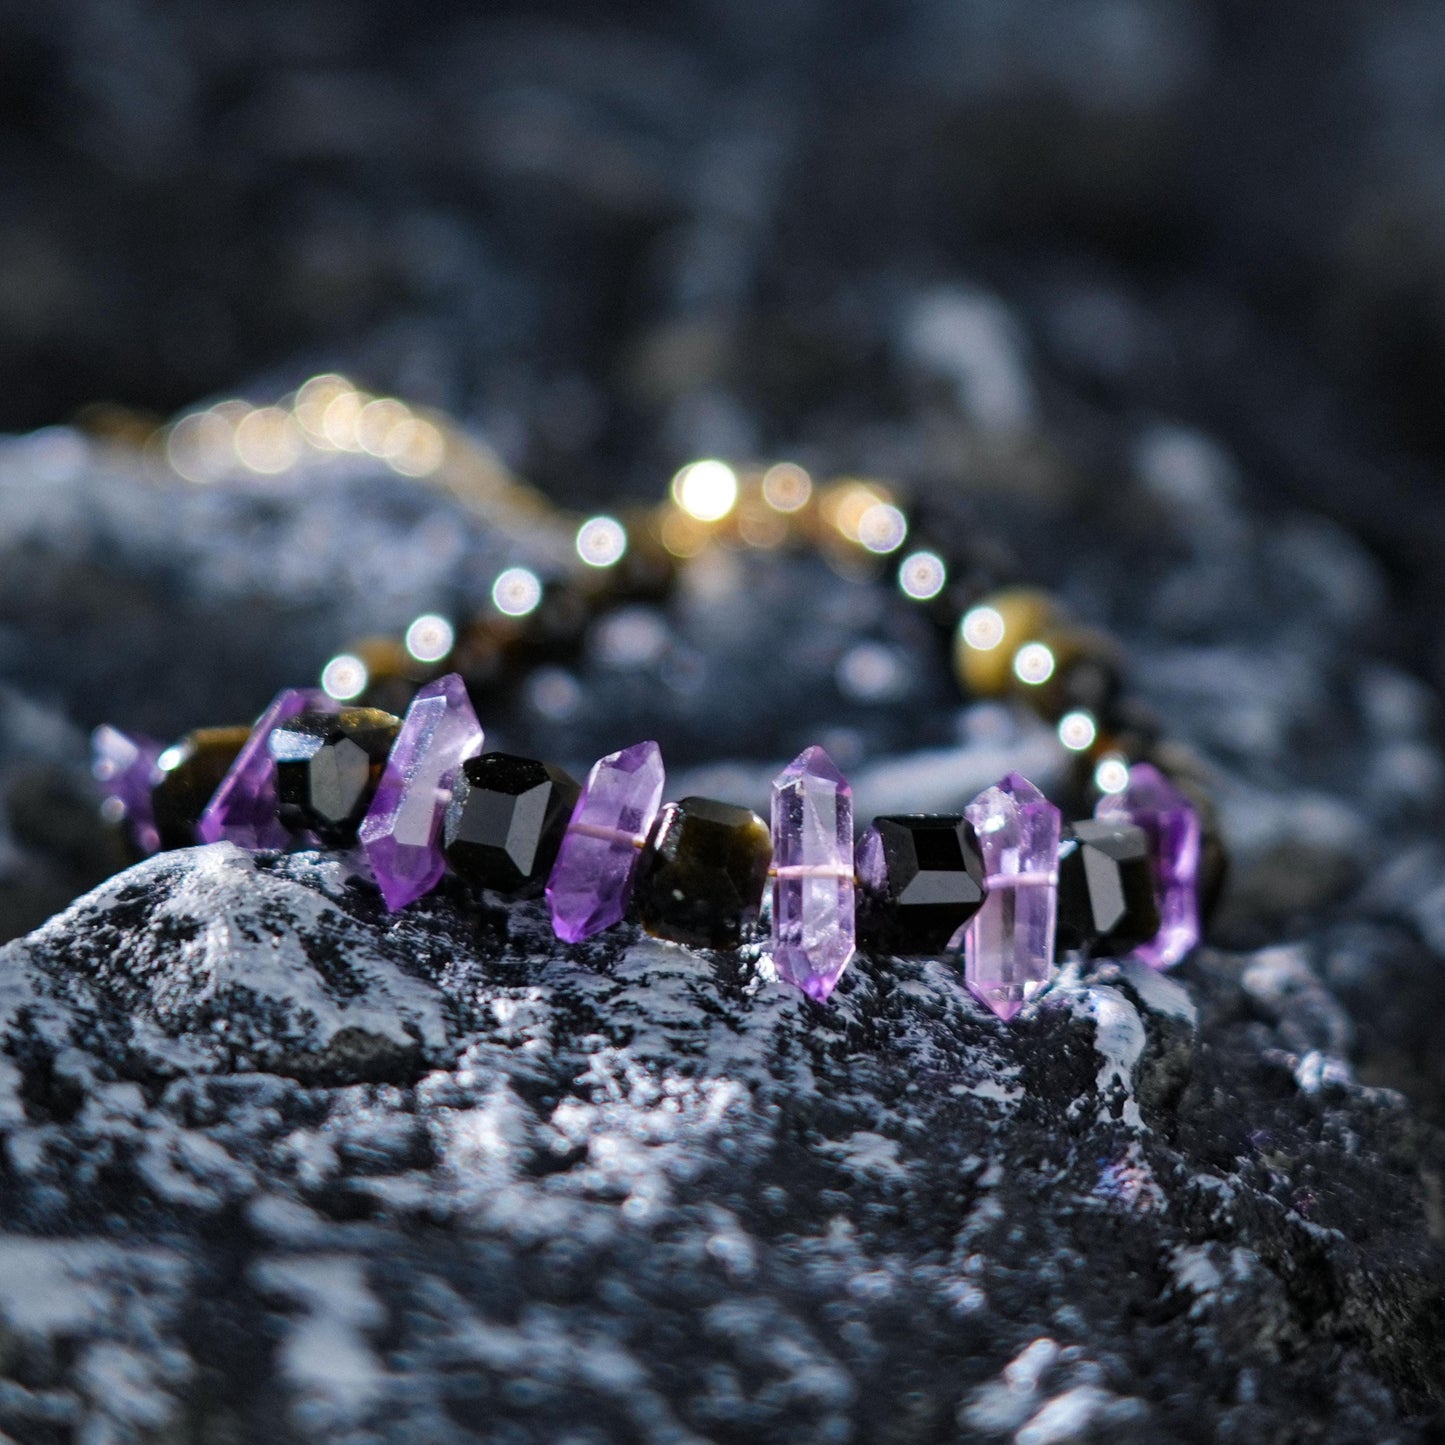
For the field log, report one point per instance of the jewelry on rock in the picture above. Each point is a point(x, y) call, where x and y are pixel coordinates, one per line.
point(1005, 881)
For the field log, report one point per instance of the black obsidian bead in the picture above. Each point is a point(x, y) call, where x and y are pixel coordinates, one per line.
point(701, 876)
point(506, 820)
point(190, 772)
point(1106, 889)
point(327, 768)
point(920, 879)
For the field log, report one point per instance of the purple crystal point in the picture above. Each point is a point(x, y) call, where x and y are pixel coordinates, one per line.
point(125, 766)
point(1151, 802)
point(401, 832)
point(1009, 943)
point(813, 903)
point(242, 810)
point(592, 878)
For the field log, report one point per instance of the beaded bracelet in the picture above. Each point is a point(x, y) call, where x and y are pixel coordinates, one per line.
point(1004, 881)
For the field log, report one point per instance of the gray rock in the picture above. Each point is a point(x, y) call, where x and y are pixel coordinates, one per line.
point(281, 1165)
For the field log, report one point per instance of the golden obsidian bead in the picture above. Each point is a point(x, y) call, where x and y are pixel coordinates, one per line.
point(327, 767)
point(190, 772)
point(991, 633)
point(701, 876)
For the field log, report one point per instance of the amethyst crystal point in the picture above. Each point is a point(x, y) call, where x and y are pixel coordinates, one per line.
point(400, 832)
point(1151, 802)
point(814, 930)
point(125, 767)
point(243, 808)
point(1009, 943)
point(592, 879)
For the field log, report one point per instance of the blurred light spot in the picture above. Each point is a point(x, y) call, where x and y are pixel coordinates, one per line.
point(517, 591)
point(340, 419)
point(847, 504)
point(554, 693)
point(1077, 731)
point(1112, 774)
point(312, 400)
point(630, 637)
point(787, 488)
point(872, 672)
point(198, 447)
point(268, 441)
point(601, 541)
point(344, 677)
point(430, 638)
point(706, 490)
point(113, 810)
point(173, 757)
point(1034, 663)
point(376, 422)
point(682, 535)
point(982, 628)
point(921, 575)
point(415, 448)
point(882, 528)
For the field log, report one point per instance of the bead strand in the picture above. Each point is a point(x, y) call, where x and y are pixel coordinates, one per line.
point(1004, 882)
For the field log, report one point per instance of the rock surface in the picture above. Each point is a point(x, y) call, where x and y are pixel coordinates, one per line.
point(281, 1165)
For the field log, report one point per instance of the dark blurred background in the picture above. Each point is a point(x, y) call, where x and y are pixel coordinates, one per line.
point(607, 233)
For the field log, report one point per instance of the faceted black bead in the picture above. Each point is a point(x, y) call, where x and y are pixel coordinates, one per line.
point(190, 772)
point(1106, 889)
point(327, 768)
point(700, 878)
point(506, 821)
point(920, 879)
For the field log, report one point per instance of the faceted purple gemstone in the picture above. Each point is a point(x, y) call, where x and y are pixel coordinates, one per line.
point(813, 903)
point(591, 881)
point(242, 810)
point(401, 832)
point(1153, 803)
point(1009, 942)
point(125, 766)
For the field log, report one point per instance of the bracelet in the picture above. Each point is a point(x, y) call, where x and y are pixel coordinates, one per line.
point(1003, 881)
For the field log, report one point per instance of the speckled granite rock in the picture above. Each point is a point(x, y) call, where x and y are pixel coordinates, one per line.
point(280, 1165)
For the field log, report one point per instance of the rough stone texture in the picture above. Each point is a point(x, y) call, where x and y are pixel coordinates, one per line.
point(280, 1165)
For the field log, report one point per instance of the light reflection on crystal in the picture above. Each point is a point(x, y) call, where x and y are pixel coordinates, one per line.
point(1077, 731)
point(1034, 663)
point(982, 628)
point(517, 591)
point(344, 677)
point(430, 638)
point(921, 576)
point(706, 490)
point(601, 541)
point(786, 487)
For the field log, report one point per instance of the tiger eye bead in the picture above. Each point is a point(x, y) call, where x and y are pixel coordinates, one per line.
point(701, 876)
point(984, 647)
point(190, 772)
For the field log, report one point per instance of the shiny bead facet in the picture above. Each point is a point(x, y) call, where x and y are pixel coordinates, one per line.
point(701, 877)
point(126, 767)
point(592, 878)
point(243, 809)
point(813, 905)
point(506, 821)
point(1106, 888)
point(1009, 943)
point(920, 880)
point(1154, 804)
point(401, 830)
point(190, 773)
point(328, 766)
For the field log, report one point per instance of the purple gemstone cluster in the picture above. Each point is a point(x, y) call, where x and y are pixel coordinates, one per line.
point(985, 882)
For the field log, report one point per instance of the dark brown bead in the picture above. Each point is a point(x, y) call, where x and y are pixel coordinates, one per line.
point(327, 768)
point(190, 772)
point(701, 877)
